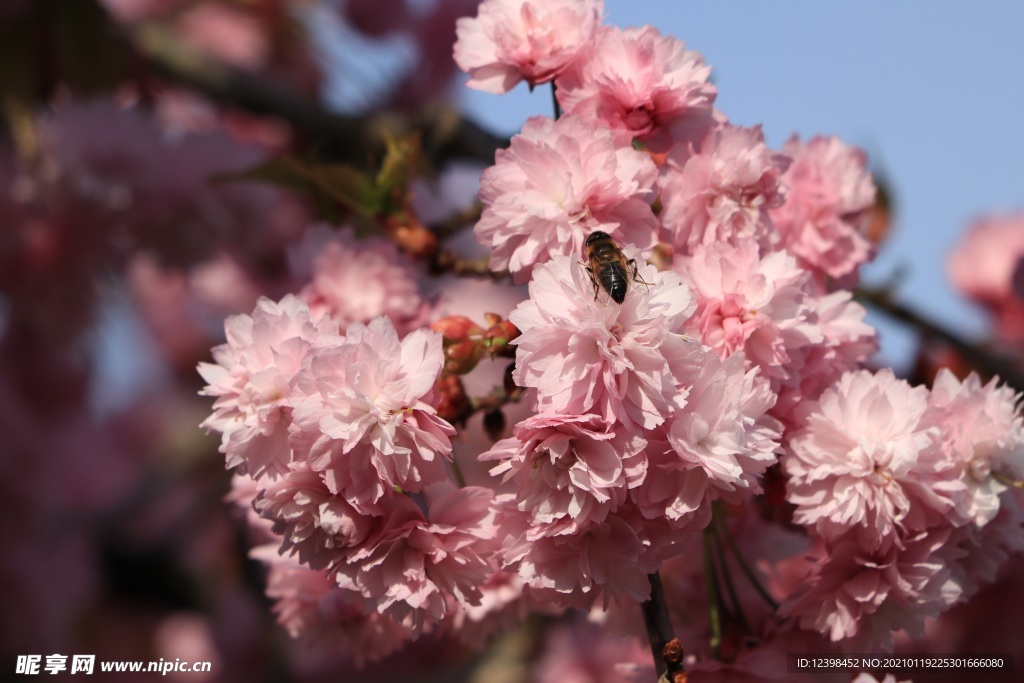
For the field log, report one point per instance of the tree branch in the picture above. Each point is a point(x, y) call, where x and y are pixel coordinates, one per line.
point(985, 360)
point(446, 134)
point(665, 648)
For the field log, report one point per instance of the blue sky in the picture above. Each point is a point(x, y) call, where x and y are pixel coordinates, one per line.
point(934, 91)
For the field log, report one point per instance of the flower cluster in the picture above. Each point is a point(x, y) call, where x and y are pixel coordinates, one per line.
point(903, 484)
point(732, 364)
point(337, 434)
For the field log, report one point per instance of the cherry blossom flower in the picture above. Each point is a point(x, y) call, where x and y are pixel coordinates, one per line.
point(363, 413)
point(584, 355)
point(315, 525)
point(571, 470)
point(314, 610)
point(724, 192)
point(612, 558)
point(761, 305)
point(250, 379)
point(558, 182)
point(715, 446)
point(869, 459)
point(513, 40)
point(358, 280)
point(639, 81)
point(866, 596)
point(416, 559)
point(988, 266)
point(984, 431)
point(831, 194)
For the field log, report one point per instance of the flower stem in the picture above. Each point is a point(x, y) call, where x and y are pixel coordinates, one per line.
point(744, 565)
point(711, 584)
point(554, 101)
point(730, 587)
point(664, 647)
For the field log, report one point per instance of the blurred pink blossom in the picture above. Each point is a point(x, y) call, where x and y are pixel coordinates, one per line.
point(558, 182)
point(513, 40)
point(987, 265)
point(358, 280)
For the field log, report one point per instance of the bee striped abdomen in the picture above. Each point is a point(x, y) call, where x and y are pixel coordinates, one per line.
point(613, 280)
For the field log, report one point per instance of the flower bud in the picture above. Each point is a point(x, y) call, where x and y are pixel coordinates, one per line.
point(456, 328)
point(454, 404)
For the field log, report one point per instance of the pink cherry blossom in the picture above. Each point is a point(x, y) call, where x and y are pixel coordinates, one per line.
point(583, 354)
point(250, 379)
point(988, 266)
point(983, 430)
point(314, 610)
point(315, 525)
point(831, 193)
point(513, 40)
point(724, 192)
point(612, 558)
point(717, 444)
point(363, 413)
point(866, 596)
point(570, 470)
point(848, 343)
point(558, 182)
point(759, 305)
point(641, 82)
point(358, 280)
point(416, 559)
point(869, 459)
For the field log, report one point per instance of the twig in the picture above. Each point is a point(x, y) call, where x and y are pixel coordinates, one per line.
point(985, 360)
point(446, 134)
point(667, 654)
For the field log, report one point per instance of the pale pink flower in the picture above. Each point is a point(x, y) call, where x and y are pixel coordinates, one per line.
point(986, 549)
point(415, 561)
point(570, 470)
point(579, 652)
point(982, 428)
point(866, 596)
point(315, 525)
point(724, 192)
point(831, 194)
point(988, 266)
point(225, 32)
point(847, 344)
point(717, 445)
point(583, 354)
point(612, 558)
point(314, 610)
point(760, 305)
point(503, 606)
point(250, 379)
point(513, 40)
point(363, 413)
point(869, 459)
point(358, 280)
point(558, 182)
point(642, 82)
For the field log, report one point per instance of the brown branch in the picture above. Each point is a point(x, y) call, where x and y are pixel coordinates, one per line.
point(985, 360)
point(665, 648)
point(446, 134)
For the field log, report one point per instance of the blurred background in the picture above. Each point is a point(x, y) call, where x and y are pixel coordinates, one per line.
point(143, 199)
